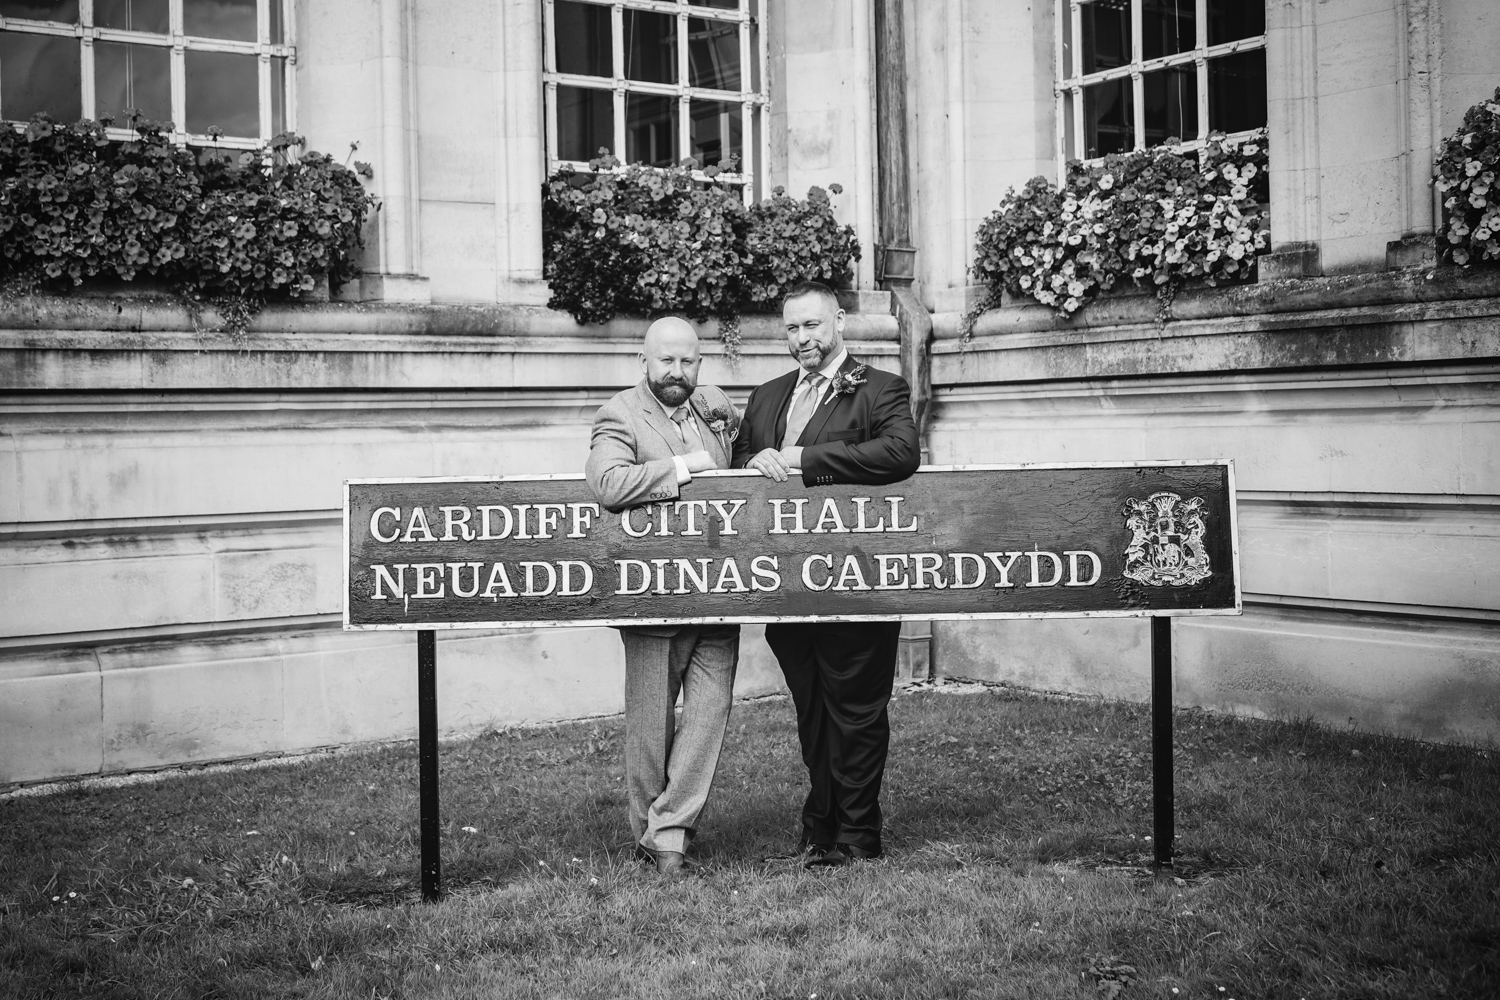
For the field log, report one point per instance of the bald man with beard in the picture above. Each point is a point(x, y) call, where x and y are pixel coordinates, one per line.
point(647, 442)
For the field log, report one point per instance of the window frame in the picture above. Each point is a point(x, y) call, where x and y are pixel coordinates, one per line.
point(749, 15)
point(1068, 90)
point(179, 43)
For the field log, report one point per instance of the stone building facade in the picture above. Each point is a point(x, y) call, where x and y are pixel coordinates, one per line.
point(169, 499)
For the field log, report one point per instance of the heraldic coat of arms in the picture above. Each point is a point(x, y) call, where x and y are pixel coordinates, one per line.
point(1166, 546)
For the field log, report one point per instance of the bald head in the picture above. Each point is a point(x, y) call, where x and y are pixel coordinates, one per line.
point(669, 359)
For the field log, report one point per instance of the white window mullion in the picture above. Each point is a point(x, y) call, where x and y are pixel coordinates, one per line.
point(617, 43)
point(263, 64)
point(747, 112)
point(1137, 78)
point(763, 107)
point(1200, 64)
point(88, 89)
point(289, 68)
point(684, 120)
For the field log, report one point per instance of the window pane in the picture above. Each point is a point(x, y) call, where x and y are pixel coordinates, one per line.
point(1066, 71)
point(650, 47)
point(1171, 97)
point(585, 122)
point(132, 15)
point(1108, 118)
point(716, 130)
point(132, 76)
point(41, 10)
point(1237, 91)
point(1106, 34)
point(222, 90)
point(713, 54)
point(1070, 130)
point(1229, 20)
point(651, 130)
point(1167, 27)
point(278, 95)
point(220, 19)
point(755, 83)
point(583, 39)
point(277, 37)
point(39, 73)
point(721, 4)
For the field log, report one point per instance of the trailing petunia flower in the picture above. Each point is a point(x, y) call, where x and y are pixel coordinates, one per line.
point(1158, 218)
point(1465, 175)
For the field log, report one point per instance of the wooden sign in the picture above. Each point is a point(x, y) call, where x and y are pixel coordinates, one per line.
point(951, 542)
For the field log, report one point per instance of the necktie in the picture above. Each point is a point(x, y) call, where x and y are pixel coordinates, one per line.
point(683, 418)
point(802, 410)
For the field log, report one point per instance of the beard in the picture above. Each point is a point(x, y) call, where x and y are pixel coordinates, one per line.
point(812, 357)
point(671, 391)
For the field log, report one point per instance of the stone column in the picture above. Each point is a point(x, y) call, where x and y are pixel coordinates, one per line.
point(397, 276)
point(1292, 109)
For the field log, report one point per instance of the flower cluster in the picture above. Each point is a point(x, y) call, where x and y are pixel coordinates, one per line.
point(844, 383)
point(645, 241)
point(1465, 176)
point(1157, 217)
point(75, 204)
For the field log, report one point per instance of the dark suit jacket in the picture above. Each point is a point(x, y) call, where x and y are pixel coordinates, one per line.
point(867, 436)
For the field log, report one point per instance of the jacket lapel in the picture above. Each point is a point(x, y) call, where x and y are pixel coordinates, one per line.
point(651, 411)
point(711, 439)
point(831, 401)
point(778, 412)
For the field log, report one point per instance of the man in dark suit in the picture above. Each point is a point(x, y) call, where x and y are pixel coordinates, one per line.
point(837, 421)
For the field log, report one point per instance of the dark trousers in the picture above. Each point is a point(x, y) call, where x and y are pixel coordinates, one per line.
point(840, 676)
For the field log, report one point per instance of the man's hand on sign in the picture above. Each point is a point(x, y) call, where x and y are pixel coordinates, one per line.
point(792, 456)
point(699, 461)
point(771, 464)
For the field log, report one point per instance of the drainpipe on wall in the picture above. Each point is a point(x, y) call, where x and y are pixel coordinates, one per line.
point(895, 266)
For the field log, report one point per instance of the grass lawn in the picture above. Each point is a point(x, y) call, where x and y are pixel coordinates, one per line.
point(1313, 864)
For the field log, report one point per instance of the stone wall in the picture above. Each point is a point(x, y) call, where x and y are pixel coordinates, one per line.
point(1363, 417)
point(170, 532)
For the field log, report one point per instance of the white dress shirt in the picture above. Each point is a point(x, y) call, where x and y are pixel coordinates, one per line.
point(683, 475)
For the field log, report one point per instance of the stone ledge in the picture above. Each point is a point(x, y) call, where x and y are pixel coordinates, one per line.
point(1257, 299)
point(163, 314)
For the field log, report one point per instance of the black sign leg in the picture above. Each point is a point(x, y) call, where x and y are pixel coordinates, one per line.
point(427, 764)
point(1162, 823)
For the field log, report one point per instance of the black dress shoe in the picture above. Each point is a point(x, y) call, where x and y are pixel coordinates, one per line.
point(671, 864)
point(841, 855)
point(801, 853)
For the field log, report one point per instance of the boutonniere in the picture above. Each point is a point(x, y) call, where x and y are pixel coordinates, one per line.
point(845, 383)
point(717, 418)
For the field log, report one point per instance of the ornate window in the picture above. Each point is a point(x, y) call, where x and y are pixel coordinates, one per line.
point(656, 82)
point(1139, 73)
point(200, 64)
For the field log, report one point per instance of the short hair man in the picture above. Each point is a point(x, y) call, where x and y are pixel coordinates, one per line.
point(838, 421)
point(647, 442)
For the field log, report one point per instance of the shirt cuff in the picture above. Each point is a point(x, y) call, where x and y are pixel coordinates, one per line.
point(683, 476)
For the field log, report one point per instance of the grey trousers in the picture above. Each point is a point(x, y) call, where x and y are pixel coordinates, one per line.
point(670, 764)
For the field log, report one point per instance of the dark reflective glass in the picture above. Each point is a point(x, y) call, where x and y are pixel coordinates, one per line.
point(65, 11)
point(721, 4)
point(234, 19)
point(585, 122)
point(713, 54)
point(650, 46)
point(1108, 118)
point(1067, 44)
point(1229, 20)
point(133, 15)
point(222, 89)
point(1167, 27)
point(1106, 34)
point(1237, 91)
point(278, 95)
point(715, 131)
point(277, 28)
point(1171, 99)
point(39, 73)
point(132, 76)
point(651, 130)
point(583, 38)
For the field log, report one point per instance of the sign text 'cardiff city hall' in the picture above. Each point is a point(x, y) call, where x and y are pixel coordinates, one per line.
point(948, 543)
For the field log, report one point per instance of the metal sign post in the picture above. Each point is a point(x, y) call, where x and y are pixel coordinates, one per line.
point(1162, 822)
point(427, 765)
